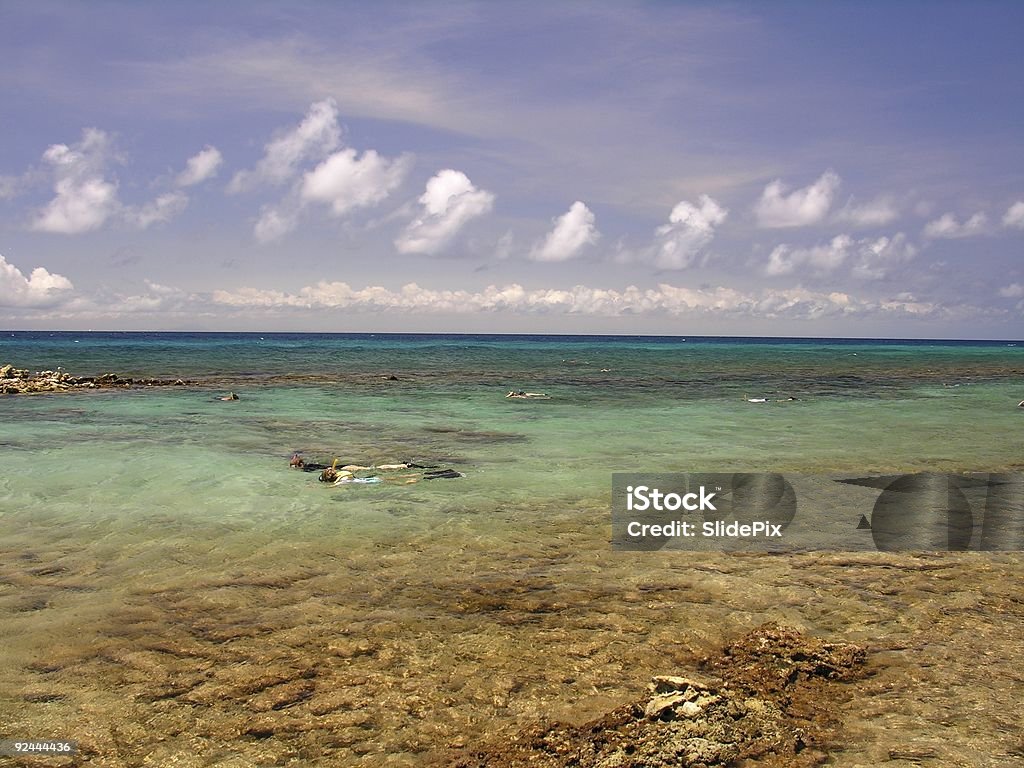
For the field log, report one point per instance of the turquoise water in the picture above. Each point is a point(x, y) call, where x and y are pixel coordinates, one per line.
point(168, 512)
point(615, 405)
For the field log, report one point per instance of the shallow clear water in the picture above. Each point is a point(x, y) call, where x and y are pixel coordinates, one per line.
point(156, 548)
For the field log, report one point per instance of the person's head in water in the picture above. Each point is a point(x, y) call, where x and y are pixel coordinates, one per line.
point(330, 474)
point(296, 462)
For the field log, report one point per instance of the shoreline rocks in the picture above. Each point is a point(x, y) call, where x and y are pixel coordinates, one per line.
point(20, 381)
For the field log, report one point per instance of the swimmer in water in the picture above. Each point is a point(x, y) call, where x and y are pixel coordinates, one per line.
point(229, 397)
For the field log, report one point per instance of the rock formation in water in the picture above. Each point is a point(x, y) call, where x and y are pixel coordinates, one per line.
point(19, 381)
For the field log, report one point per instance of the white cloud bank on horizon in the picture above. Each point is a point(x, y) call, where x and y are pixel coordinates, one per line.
point(779, 208)
point(791, 303)
point(572, 231)
point(449, 202)
point(947, 227)
point(40, 289)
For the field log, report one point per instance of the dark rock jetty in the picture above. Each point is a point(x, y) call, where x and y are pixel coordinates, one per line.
point(18, 381)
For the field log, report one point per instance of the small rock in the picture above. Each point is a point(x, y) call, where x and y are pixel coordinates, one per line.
point(659, 705)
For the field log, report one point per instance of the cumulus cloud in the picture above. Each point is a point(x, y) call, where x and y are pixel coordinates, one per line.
point(275, 222)
point(868, 258)
point(341, 179)
point(778, 207)
point(784, 259)
point(873, 213)
point(665, 299)
point(345, 181)
point(572, 231)
point(690, 228)
point(39, 289)
point(200, 167)
point(1014, 216)
point(317, 135)
point(85, 199)
point(449, 202)
point(8, 187)
point(159, 211)
point(875, 259)
point(1012, 291)
point(947, 226)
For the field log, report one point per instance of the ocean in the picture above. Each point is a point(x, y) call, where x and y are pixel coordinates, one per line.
point(172, 592)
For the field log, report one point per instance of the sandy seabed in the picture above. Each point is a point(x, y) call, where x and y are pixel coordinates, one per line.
point(222, 647)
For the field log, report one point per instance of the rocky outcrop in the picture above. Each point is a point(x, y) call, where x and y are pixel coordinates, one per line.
point(770, 699)
point(19, 381)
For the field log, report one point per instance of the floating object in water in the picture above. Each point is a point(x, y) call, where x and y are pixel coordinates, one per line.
point(229, 397)
point(348, 479)
point(439, 474)
point(757, 399)
point(518, 393)
point(1020, 404)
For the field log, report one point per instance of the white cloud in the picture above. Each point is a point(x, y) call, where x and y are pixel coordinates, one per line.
point(345, 181)
point(84, 199)
point(573, 230)
point(947, 226)
point(1012, 291)
point(785, 259)
point(873, 213)
point(449, 202)
point(160, 211)
point(275, 222)
point(869, 258)
point(8, 187)
point(39, 289)
point(1014, 216)
point(876, 258)
point(317, 135)
point(200, 167)
point(790, 303)
point(779, 208)
point(690, 228)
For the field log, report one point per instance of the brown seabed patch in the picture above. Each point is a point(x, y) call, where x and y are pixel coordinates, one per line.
point(771, 699)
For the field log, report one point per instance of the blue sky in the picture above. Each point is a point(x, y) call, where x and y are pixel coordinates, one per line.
point(807, 169)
